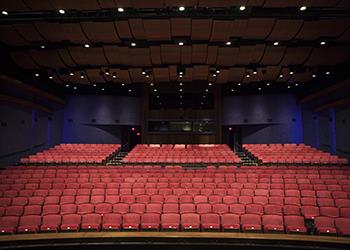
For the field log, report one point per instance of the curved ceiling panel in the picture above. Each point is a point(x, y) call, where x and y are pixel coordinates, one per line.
point(12, 38)
point(137, 29)
point(219, 31)
point(201, 29)
point(47, 58)
point(170, 53)
point(186, 55)
point(258, 28)
point(227, 56)
point(140, 57)
point(296, 56)
point(100, 32)
point(29, 33)
point(91, 56)
point(236, 74)
point(273, 55)
point(199, 53)
point(76, 4)
point(161, 74)
point(285, 30)
point(38, 5)
point(112, 54)
point(180, 27)
point(157, 30)
point(200, 72)
point(23, 60)
point(123, 29)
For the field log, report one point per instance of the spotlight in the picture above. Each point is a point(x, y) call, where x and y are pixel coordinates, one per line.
point(268, 84)
point(328, 73)
point(94, 85)
point(214, 75)
point(242, 8)
point(87, 45)
point(75, 87)
point(296, 85)
point(107, 72)
point(291, 72)
point(288, 87)
point(313, 76)
point(129, 90)
point(248, 75)
point(151, 84)
point(71, 73)
point(67, 85)
point(180, 76)
point(102, 89)
point(217, 71)
point(228, 43)
point(147, 76)
point(181, 8)
point(155, 90)
point(239, 84)
point(50, 77)
point(181, 43)
point(281, 75)
point(42, 46)
point(232, 90)
point(255, 72)
point(143, 72)
point(180, 83)
point(120, 9)
point(114, 75)
point(61, 11)
point(123, 84)
point(82, 75)
point(4, 12)
point(37, 74)
point(133, 44)
point(180, 90)
point(303, 8)
point(259, 89)
point(210, 84)
point(323, 43)
point(276, 43)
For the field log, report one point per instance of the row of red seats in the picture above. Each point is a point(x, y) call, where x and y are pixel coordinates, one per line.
point(291, 154)
point(73, 153)
point(68, 207)
point(171, 222)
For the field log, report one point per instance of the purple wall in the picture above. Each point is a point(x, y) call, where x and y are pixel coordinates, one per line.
point(342, 127)
point(25, 132)
point(98, 119)
point(264, 118)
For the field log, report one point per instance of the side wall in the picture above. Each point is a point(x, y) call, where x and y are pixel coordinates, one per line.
point(342, 127)
point(24, 132)
point(264, 118)
point(98, 119)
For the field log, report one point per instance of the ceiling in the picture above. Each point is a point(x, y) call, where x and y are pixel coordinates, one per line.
point(91, 44)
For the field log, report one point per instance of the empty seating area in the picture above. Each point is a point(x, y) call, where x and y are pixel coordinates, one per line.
point(266, 199)
point(73, 153)
point(291, 154)
point(182, 153)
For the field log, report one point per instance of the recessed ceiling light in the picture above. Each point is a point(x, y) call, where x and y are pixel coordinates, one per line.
point(120, 9)
point(143, 72)
point(268, 84)
point(37, 74)
point(129, 90)
point(232, 90)
point(157, 96)
point(210, 84)
point(107, 72)
point(102, 89)
point(259, 89)
point(214, 75)
point(61, 11)
point(247, 75)
point(181, 43)
point(180, 90)
point(180, 96)
point(181, 73)
point(42, 46)
point(276, 43)
point(291, 72)
point(255, 72)
point(71, 73)
point(180, 76)
point(151, 84)
point(202, 103)
point(67, 85)
point(82, 75)
point(123, 84)
point(206, 90)
point(303, 8)
point(204, 96)
point(288, 86)
point(328, 73)
point(228, 43)
point(217, 71)
point(147, 76)
point(181, 8)
point(114, 75)
point(313, 76)
point(323, 43)
point(50, 77)
point(242, 8)
point(75, 87)
point(87, 45)
point(155, 90)
point(296, 84)
point(281, 75)
point(94, 85)
point(4, 12)
point(133, 44)
point(239, 84)
point(180, 83)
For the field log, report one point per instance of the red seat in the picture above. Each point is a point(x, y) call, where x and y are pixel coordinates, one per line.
point(51, 223)
point(230, 222)
point(32, 210)
point(238, 209)
point(331, 212)
point(131, 221)
point(310, 212)
point(85, 209)
point(190, 221)
point(204, 208)
point(325, 225)
point(170, 221)
point(29, 224)
point(111, 222)
point(8, 224)
point(138, 208)
point(345, 212)
point(273, 223)
point(187, 208)
point(343, 226)
point(294, 224)
point(150, 221)
point(14, 211)
point(68, 209)
point(210, 222)
point(91, 222)
point(251, 222)
point(273, 209)
point(71, 222)
point(254, 209)
point(170, 208)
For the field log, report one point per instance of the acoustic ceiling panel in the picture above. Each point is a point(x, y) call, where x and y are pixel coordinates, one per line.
point(137, 29)
point(155, 55)
point(273, 55)
point(220, 31)
point(90, 56)
point(112, 54)
point(13, 5)
point(39, 5)
point(23, 60)
point(180, 27)
point(157, 30)
point(123, 30)
point(258, 28)
point(29, 32)
point(76, 4)
point(285, 29)
point(140, 57)
point(296, 56)
point(201, 29)
point(100, 32)
point(170, 53)
point(227, 56)
point(47, 58)
point(186, 55)
point(236, 74)
point(12, 38)
point(161, 74)
point(200, 72)
point(199, 53)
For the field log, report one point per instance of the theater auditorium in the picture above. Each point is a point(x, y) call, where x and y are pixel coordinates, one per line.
point(171, 124)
